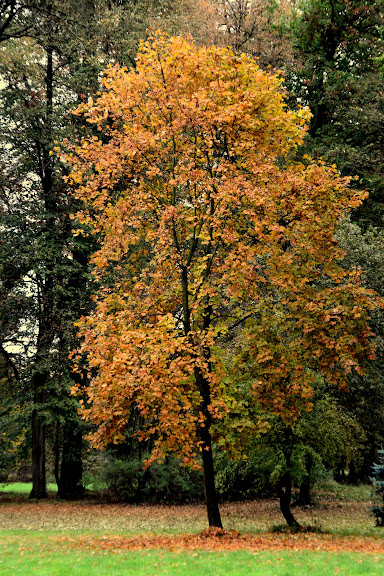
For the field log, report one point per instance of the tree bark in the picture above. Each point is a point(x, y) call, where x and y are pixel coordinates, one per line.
point(285, 494)
point(56, 449)
point(39, 484)
point(305, 493)
point(70, 486)
point(211, 500)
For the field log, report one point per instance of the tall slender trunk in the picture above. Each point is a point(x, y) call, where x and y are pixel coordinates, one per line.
point(39, 485)
point(211, 500)
point(56, 450)
point(45, 297)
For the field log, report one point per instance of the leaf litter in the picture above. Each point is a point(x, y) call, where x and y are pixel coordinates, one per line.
point(228, 540)
point(104, 528)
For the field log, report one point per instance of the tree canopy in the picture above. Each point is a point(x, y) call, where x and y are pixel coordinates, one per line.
point(205, 224)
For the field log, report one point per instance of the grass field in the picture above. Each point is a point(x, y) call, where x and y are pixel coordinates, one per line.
point(23, 488)
point(89, 538)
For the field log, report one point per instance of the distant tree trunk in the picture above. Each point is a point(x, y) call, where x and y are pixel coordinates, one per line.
point(39, 485)
point(45, 297)
point(352, 474)
point(285, 495)
point(340, 471)
point(305, 486)
point(70, 485)
point(56, 449)
point(305, 493)
point(369, 457)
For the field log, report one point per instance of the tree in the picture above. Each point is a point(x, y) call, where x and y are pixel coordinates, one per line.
point(338, 75)
point(44, 270)
point(365, 395)
point(318, 440)
point(339, 47)
point(378, 488)
point(205, 225)
point(52, 54)
point(254, 27)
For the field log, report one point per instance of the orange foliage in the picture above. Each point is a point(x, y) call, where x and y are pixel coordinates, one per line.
point(205, 222)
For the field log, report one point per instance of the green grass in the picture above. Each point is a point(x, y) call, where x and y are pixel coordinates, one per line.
point(23, 488)
point(56, 538)
point(31, 555)
point(332, 490)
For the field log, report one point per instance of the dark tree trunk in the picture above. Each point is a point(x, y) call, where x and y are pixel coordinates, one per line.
point(369, 455)
point(70, 486)
point(305, 486)
point(353, 477)
point(45, 297)
point(57, 453)
point(305, 493)
point(211, 500)
point(285, 494)
point(39, 485)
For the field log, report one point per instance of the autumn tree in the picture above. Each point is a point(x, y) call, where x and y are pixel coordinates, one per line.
point(205, 226)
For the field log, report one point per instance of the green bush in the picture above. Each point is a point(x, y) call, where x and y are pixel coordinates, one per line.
point(165, 482)
point(244, 479)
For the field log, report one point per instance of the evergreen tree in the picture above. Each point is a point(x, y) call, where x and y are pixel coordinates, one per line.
point(338, 74)
point(378, 488)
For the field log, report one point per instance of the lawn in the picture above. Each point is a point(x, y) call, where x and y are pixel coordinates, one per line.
point(54, 538)
point(24, 488)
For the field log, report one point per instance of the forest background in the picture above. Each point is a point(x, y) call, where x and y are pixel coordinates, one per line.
point(52, 58)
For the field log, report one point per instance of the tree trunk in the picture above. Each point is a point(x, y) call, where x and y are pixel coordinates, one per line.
point(305, 486)
point(305, 493)
point(352, 474)
point(56, 449)
point(45, 298)
point(70, 485)
point(39, 485)
point(211, 500)
point(285, 494)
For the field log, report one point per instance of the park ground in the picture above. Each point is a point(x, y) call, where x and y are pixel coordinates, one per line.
point(56, 538)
